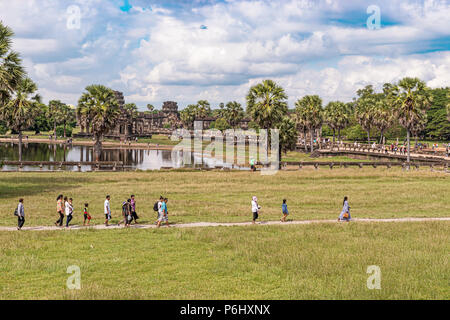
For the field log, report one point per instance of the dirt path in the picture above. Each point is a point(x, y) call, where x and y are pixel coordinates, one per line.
point(224, 224)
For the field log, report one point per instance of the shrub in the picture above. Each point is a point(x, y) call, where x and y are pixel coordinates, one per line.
point(60, 131)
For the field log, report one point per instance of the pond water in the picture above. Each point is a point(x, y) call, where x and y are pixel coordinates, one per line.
point(132, 158)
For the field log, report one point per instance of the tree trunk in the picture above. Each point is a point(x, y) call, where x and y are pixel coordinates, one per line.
point(311, 132)
point(65, 129)
point(54, 129)
point(339, 135)
point(381, 137)
point(368, 136)
point(20, 145)
point(408, 135)
point(304, 138)
point(334, 135)
point(98, 147)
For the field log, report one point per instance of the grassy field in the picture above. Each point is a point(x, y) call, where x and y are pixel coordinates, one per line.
point(226, 196)
point(326, 261)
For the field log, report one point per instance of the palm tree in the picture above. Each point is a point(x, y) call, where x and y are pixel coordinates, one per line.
point(150, 107)
point(188, 114)
point(365, 109)
point(267, 106)
point(101, 109)
point(337, 115)
point(11, 71)
point(310, 114)
point(383, 116)
point(203, 109)
point(19, 113)
point(55, 112)
point(67, 115)
point(411, 99)
point(288, 135)
point(234, 113)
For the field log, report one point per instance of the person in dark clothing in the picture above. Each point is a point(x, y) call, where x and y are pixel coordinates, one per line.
point(20, 215)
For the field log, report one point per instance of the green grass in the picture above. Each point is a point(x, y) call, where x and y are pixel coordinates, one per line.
point(226, 196)
point(326, 261)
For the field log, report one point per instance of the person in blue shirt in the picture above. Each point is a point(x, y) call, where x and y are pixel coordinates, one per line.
point(284, 208)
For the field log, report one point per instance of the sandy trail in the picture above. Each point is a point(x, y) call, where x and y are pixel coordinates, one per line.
point(221, 224)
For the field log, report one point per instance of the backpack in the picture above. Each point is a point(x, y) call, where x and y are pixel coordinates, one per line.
point(155, 207)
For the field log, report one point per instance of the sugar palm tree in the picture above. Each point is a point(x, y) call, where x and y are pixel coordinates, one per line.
point(21, 110)
point(310, 114)
point(337, 115)
point(365, 109)
point(234, 113)
point(383, 117)
point(67, 115)
point(55, 113)
point(101, 109)
point(267, 106)
point(288, 135)
point(11, 71)
point(411, 99)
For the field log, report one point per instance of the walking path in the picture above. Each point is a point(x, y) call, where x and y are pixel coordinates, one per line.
point(222, 224)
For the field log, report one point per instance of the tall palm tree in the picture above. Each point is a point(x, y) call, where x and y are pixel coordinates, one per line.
point(383, 116)
point(203, 109)
point(67, 115)
point(337, 115)
point(55, 112)
point(310, 114)
point(11, 71)
point(188, 114)
point(234, 113)
point(411, 99)
point(101, 109)
point(288, 135)
point(365, 109)
point(267, 106)
point(22, 109)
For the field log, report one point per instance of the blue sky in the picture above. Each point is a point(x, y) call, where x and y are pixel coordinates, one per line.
point(185, 51)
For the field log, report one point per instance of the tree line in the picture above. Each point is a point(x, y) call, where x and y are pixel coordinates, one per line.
point(407, 103)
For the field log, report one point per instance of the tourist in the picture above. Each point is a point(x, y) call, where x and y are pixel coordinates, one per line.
point(163, 214)
point(86, 214)
point(345, 213)
point(252, 164)
point(134, 215)
point(69, 210)
point(285, 211)
point(107, 210)
point(158, 206)
point(20, 215)
point(255, 209)
point(60, 210)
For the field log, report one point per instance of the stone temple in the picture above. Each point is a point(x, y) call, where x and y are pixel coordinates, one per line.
point(145, 124)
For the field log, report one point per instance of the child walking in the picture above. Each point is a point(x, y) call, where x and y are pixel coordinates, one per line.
point(285, 211)
point(255, 209)
point(86, 214)
point(107, 210)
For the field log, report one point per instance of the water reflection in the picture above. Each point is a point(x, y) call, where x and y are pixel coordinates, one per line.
point(132, 158)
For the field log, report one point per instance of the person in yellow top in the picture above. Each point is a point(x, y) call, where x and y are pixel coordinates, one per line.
point(60, 210)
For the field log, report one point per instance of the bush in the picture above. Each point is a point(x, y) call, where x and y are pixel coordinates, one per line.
point(3, 129)
point(60, 131)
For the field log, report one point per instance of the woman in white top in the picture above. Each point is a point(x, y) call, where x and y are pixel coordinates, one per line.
point(255, 209)
point(69, 210)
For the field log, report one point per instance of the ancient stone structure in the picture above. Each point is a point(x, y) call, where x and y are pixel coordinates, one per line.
point(144, 124)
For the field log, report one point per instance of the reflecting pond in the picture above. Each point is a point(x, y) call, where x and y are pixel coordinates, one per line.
point(132, 158)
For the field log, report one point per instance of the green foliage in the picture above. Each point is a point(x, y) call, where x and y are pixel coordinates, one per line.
point(438, 125)
point(288, 134)
point(355, 133)
point(3, 128)
point(220, 124)
point(60, 131)
point(267, 104)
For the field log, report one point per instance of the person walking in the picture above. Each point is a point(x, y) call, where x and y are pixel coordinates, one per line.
point(107, 210)
point(86, 215)
point(60, 211)
point(345, 213)
point(163, 213)
point(134, 215)
point(285, 211)
point(255, 209)
point(20, 214)
point(69, 210)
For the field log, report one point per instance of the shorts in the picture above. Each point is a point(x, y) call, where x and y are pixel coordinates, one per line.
point(87, 217)
point(255, 215)
point(162, 217)
point(107, 216)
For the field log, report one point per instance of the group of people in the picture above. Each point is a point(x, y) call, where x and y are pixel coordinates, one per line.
point(344, 215)
point(65, 208)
